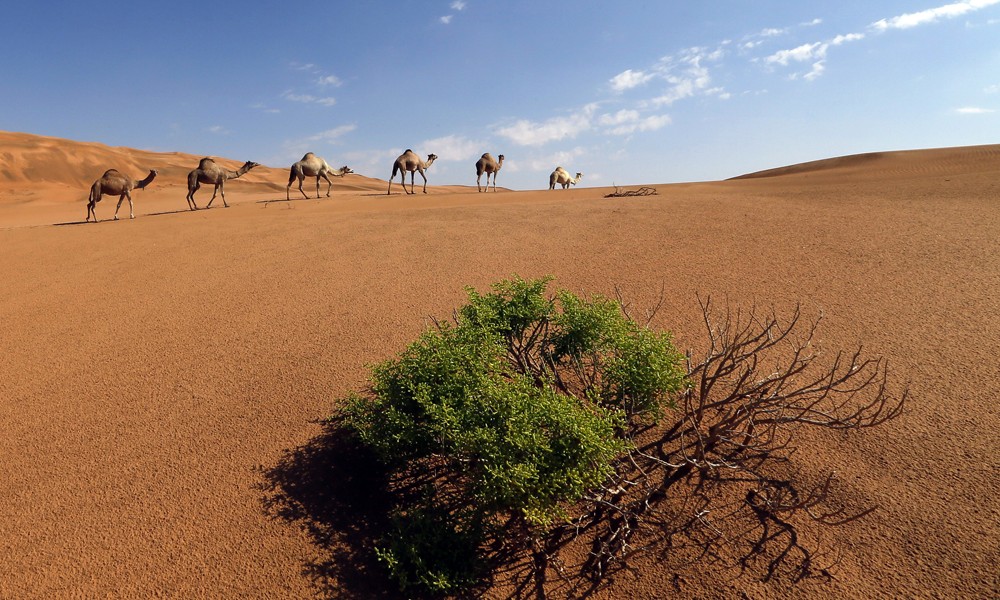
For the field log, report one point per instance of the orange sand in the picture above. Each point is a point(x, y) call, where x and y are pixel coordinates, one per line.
point(155, 369)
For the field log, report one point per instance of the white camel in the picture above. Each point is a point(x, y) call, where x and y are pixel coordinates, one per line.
point(314, 166)
point(487, 164)
point(562, 177)
point(409, 161)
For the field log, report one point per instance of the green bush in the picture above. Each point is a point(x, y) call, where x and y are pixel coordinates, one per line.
point(514, 411)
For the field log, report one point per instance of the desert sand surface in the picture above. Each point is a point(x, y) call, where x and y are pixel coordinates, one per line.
point(157, 371)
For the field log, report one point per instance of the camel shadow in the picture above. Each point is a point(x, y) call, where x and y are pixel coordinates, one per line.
point(336, 490)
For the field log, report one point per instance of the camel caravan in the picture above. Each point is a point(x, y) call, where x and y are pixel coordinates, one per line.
point(208, 172)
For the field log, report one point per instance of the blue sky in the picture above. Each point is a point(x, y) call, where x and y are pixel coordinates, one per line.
point(628, 92)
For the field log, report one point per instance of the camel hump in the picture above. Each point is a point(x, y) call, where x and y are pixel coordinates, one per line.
point(486, 155)
point(110, 172)
point(205, 163)
point(308, 155)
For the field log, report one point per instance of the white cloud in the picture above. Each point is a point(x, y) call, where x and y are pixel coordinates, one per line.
point(850, 37)
point(293, 149)
point(625, 122)
point(813, 23)
point(219, 129)
point(529, 133)
point(330, 80)
point(803, 53)
point(686, 74)
point(815, 53)
point(332, 135)
point(817, 70)
point(264, 108)
point(974, 110)
point(771, 32)
point(648, 124)
point(948, 11)
point(447, 19)
point(309, 99)
point(992, 89)
point(629, 79)
point(620, 117)
point(458, 5)
point(453, 147)
point(547, 163)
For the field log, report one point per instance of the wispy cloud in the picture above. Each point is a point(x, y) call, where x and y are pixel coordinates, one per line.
point(332, 80)
point(992, 89)
point(292, 149)
point(218, 129)
point(931, 15)
point(332, 135)
point(625, 122)
point(815, 52)
point(629, 79)
point(309, 98)
point(531, 133)
point(452, 147)
point(264, 108)
point(974, 110)
point(546, 163)
point(457, 5)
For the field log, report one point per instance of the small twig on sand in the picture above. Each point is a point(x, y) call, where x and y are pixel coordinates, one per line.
point(623, 193)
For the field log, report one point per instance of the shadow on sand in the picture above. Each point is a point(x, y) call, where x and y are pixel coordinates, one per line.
point(335, 490)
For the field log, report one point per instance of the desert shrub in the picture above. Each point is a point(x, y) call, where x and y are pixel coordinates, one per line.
point(511, 413)
point(533, 421)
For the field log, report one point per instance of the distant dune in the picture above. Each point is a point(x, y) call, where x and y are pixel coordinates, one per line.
point(888, 164)
point(164, 379)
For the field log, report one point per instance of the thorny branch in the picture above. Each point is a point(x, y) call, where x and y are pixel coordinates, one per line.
point(711, 481)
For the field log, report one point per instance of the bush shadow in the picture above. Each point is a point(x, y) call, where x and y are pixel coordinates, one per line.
point(336, 490)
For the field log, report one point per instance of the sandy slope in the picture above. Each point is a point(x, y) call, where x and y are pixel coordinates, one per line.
point(157, 370)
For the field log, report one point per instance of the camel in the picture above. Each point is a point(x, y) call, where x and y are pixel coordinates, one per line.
point(114, 183)
point(209, 172)
point(409, 161)
point(314, 166)
point(561, 176)
point(488, 165)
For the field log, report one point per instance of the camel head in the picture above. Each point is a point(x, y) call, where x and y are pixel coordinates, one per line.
point(149, 179)
point(345, 170)
point(431, 158)
point(499, 158)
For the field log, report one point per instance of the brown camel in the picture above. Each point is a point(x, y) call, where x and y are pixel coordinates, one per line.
point(113, 183)
point(409, 161)
point(209, 172)
point(314, 166)
point(561, 176)
point(488, 165)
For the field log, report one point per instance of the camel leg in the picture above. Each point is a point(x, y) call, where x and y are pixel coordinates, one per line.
point(329, 185)
point(413, 178)
point(478, 177)
point(425, 180)
point(393, 176)
point(215, 193)
point(122, 199)
point(190, 196)
point(90, 209)
point(301, 191)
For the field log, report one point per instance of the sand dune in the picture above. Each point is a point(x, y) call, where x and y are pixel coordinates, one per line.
point(157, 370)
